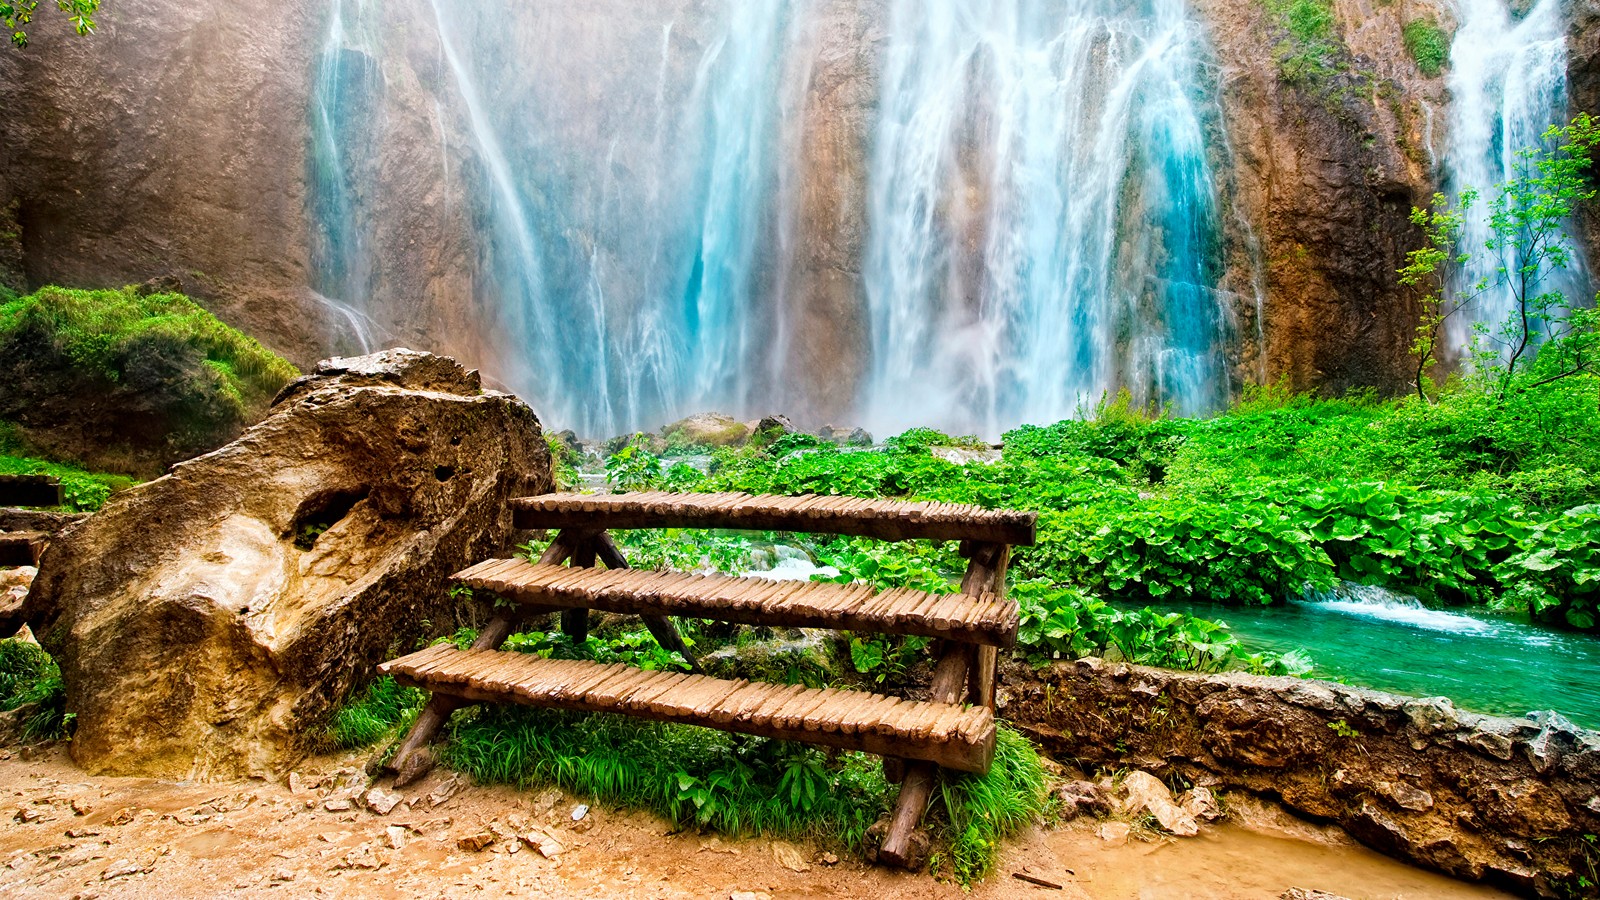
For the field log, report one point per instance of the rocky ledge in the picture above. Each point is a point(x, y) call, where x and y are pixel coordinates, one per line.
point(1507, 801)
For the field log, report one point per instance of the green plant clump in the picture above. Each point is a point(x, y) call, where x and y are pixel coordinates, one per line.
point(81, 490)
point(1428, 44)
point(384, 707)
point(29, 678)
point(111, 332)
point(693, 776)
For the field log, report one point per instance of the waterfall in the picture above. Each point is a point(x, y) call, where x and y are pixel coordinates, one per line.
point(1043, 219)
point(343, 108)
point(631, 273)
point(1508, 84)
point(1040, 221)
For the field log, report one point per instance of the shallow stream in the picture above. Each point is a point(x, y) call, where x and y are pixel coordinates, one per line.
point(1371, 638)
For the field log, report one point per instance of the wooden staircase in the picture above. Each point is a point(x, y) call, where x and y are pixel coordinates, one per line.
point(22, 548)
point(953, 729)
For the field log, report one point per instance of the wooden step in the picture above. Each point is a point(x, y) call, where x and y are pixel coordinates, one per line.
point(953, 736)
point(888, 520)
point(988, 620)
point(21, 548)
point(30, 490)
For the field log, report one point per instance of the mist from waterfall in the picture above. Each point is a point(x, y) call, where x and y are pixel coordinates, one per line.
point(1044, 220)
point(1508, 84)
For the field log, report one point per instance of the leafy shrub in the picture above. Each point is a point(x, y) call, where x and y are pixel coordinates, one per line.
point(29, 677)
point(1428, 43)
point(1066, 623)
point(1556, 572)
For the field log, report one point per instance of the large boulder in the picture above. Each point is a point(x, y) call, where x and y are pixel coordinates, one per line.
point(206, 623)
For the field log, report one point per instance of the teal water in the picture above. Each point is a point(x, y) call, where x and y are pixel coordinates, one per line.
point(1483, 663)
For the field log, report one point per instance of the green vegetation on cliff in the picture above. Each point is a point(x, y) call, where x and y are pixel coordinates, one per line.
point(127, 380)
point(1428, 45)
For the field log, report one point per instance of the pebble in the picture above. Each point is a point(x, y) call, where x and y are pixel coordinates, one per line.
point(120, 869)
point(382, 802)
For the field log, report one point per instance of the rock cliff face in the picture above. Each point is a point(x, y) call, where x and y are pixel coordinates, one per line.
point(180, 141)
point(173, 142)
point(1327, 171)
point(1583, 75)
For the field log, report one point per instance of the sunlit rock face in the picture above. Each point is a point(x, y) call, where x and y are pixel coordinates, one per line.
point(966, 214)
point(207, 623)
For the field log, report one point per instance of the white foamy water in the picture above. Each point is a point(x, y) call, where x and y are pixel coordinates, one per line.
point(1363, 601)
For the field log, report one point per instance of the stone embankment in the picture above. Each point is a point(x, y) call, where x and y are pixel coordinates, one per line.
point(1506, 801)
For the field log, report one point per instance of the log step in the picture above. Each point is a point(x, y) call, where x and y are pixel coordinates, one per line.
point(889, 520)
point(21, 548)
point(988, 620)
point(952, 736)
point(30, 490)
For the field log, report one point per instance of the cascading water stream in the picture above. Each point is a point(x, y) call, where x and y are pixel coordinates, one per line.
point(1508, 84)
point(343, 104)
point(1043, 220)
point(631, 275)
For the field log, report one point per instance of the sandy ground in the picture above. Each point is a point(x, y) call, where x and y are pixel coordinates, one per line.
point(67, 835)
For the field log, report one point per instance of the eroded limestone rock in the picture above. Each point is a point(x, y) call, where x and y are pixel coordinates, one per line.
point(206, 622)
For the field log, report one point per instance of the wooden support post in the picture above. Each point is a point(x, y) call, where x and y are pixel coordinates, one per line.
point(661, 627)
point(986, 574)
point(949, 677)
point(575, 622)
point(413, 759)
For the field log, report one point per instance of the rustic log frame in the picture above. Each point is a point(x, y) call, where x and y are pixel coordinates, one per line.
point(964, 671)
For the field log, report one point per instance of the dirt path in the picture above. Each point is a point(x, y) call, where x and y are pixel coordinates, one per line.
point(65, 834)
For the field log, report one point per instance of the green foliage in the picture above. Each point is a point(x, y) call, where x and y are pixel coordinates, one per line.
point(634, 468)
point(1556, 571)
point(81, 490)
point(1067, 623)
point(384, 707)
point(694, 776)
point(109, 332)
point(29, 677)
point(981, 810)
point(1544, 339)
point(1428, 44)
point(1311, 53)
point(564, 463)
point(17, 15)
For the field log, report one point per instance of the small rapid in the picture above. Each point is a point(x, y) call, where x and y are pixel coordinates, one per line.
point(1370, 637)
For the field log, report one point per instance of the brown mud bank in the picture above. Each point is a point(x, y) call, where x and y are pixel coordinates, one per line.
point(68, 834)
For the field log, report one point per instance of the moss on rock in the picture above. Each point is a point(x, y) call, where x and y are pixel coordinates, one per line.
point(128, 380)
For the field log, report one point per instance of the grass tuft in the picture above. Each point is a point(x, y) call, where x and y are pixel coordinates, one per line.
point(1428, 44)
point(29, 677)
point(384, 707)
point(728, 783)
point(982, 810)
